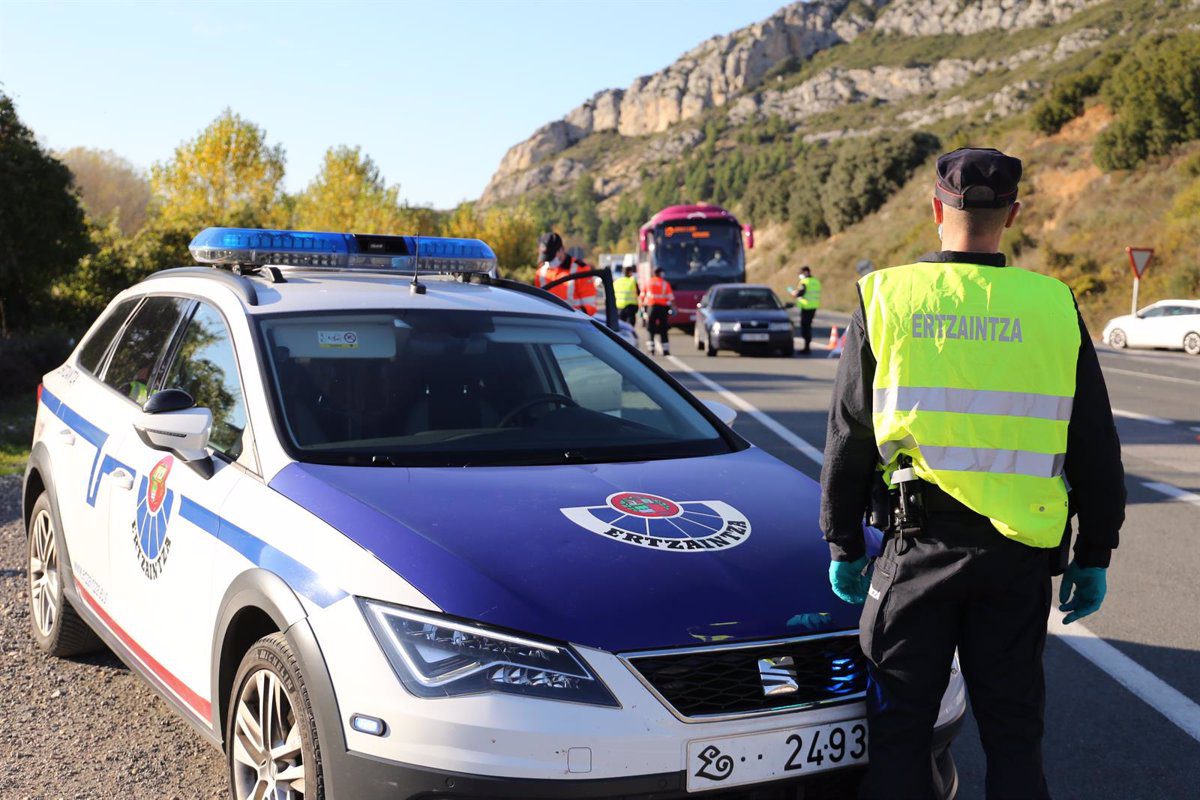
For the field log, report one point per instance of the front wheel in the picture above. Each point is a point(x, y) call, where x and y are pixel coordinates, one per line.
point(271, 732)
point(1117, 339)
point(1191, 344)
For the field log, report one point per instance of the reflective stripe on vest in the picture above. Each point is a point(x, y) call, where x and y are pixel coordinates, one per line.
point(658, 293)
point(975, 381)
point(812, 293)
point(625, 291)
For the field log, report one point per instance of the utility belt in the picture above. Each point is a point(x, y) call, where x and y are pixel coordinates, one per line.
point(904, 511)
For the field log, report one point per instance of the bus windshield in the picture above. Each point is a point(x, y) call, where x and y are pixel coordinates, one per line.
point(699, 248)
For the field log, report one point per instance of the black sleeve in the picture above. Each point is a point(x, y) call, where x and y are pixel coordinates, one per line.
point(1093, 463)
point(850, 454)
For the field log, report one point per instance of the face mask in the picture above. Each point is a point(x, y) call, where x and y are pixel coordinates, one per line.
point(556, 261)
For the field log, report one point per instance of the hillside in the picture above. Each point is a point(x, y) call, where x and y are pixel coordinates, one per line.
point(819, 125)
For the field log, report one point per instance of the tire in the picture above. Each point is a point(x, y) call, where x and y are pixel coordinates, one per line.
point(709, 350)
point(1117, 339)
point(57, 628)
point(788, 352)
point(1191, 343)
point(270, 668)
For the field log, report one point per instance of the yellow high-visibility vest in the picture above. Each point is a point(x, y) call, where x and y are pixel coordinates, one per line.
point(625, 291)
point(812, 293)
point(975, 382)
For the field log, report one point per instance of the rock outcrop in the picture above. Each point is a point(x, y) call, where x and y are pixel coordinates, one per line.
point(732, 69)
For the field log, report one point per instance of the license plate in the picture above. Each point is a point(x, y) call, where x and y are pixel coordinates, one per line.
point(755, 337)
point(788, 753)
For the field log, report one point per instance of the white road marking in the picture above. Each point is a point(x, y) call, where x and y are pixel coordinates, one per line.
point(1138, 374)
point(775, 427)
point(1118, 412)
point(1148, 687)
point(1174, 492)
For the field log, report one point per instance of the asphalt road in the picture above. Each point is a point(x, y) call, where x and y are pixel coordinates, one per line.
point(1106, 737)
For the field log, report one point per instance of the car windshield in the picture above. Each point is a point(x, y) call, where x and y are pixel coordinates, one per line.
point(699, 248)
point(468, 388)
point(758, 299)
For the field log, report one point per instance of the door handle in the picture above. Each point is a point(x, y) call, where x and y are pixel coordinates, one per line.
point(121, 479)
point(67, 436)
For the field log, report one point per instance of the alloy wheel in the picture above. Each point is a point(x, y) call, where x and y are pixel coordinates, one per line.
point(268, 760)
point(1191, 344)
point(44, 593)
point(1117, 338)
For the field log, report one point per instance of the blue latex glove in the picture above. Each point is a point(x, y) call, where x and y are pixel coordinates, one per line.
point(1090, 585)
point(848, 581)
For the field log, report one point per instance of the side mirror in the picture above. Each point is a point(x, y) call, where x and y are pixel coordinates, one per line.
point(721, 411)
point(748, 232)
point(170, 421)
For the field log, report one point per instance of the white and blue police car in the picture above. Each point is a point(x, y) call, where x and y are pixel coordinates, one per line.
point(382, 525)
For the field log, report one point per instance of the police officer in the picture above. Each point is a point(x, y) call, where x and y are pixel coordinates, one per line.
point(658, 298)
point(625, 291)
point(970, 405)
point(808, 300)
point(557, 263)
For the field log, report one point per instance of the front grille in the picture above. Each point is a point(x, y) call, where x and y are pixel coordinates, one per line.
point(728, 680)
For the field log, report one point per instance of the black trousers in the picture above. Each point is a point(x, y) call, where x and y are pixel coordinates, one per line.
point(957, 584)
point(628, 314)
point(806, 321)
point(657, 324)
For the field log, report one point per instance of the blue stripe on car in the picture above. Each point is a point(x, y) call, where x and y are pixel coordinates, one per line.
point(296, 575)
point(92, 434)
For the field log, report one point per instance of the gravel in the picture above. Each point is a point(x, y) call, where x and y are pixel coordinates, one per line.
point(83, 727)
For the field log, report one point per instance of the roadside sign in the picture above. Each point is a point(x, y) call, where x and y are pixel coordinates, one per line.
point(1139, 259)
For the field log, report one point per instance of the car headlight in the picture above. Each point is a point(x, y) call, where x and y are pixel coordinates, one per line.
point(780, 326)
point(435, 656)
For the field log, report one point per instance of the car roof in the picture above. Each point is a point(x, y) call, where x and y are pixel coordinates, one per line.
point(721, 286)
point(327, 290)
point(1191, 303)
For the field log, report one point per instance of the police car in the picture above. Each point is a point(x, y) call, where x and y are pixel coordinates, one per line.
point(379, 524)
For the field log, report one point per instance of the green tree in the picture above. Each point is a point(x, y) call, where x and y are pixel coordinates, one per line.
point(869, 171)
point(1155, 94)
point(110, 188)
point(350, 194)
point(227, 175)
point(42, 229)
point(511, 232)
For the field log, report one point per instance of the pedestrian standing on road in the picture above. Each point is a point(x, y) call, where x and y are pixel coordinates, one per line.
point(625, 290)
point(808, 300)
point(969, 398)
point(557, 263)
point(658, 298)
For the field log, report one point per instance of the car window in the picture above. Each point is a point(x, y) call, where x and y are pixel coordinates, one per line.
point(471, 388)
point(1157, 311)
point(1181, 311)
point(131, 370)
point(91, 355)
point(757, 299)
point(205, 367)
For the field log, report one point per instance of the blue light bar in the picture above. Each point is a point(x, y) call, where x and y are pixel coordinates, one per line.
point(350, 251)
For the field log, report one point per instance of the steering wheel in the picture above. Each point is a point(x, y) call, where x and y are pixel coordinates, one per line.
point(533, 402)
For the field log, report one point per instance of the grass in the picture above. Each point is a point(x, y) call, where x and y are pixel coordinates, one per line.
point(16, 433)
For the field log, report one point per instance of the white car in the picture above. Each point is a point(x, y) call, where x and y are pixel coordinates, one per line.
point(379, 525)
point(1170, 324)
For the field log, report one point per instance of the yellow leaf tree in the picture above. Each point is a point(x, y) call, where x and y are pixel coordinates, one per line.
point(350, 195)
point(511, 232)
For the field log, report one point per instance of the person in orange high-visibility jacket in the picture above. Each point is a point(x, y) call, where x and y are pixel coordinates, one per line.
point(557, 263)
point(658, 298)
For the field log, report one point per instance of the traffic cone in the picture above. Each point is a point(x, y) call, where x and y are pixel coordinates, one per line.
point(836, 352)
point(833, 337)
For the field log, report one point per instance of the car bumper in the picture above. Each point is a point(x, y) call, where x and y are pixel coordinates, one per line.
point(734, 341)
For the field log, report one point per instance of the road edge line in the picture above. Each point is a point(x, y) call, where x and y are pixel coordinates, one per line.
point(1174, 492)
point(1144, 684)
point(770, 423)
point(1120, 412)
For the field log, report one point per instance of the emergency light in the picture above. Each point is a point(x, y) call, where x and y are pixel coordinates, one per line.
point(251, 247)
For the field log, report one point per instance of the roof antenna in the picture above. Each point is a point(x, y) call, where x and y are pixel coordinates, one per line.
point(416, 287)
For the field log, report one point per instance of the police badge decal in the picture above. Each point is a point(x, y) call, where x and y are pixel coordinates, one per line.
point(153, 513)
point(648, 520)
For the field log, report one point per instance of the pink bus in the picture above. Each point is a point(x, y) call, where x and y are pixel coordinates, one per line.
point(697, 247)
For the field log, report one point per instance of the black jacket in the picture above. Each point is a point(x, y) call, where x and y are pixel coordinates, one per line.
point(1093, 462)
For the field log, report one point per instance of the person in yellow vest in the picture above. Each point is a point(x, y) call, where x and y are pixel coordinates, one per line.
point(625, 291)
point(658, 298)
point(968, 401)
point(808, 300)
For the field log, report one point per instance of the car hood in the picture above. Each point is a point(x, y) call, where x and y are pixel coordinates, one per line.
point(743, 314)
point(544, 550)
point(1124, 319)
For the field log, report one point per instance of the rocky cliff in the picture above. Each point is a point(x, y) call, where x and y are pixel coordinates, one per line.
point(733, 70)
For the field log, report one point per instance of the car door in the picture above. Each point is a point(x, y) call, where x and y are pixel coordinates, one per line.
point(77, 436)
point(1179, 322)
point(162, 543)
point(1147, 331)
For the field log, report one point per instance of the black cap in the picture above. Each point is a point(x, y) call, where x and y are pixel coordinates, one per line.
point(548, 245)
point(977, 177)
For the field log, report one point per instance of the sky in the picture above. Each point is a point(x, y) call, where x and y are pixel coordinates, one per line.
point(435, 92)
